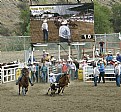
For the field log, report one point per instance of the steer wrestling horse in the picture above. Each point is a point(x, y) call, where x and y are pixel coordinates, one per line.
point(62, 83)
point(24, 82)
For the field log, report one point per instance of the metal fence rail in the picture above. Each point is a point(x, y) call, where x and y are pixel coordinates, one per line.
point(88, 74)
point(8, 73)
point(0, 76)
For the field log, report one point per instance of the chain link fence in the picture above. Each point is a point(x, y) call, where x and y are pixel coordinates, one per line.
point(111, 42)
point(14, 48)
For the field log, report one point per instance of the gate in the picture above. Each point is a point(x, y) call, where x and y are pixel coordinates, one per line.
point(8, 73)
point(88, 73)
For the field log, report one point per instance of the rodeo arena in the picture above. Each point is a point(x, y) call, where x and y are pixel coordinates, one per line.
point(80, 76)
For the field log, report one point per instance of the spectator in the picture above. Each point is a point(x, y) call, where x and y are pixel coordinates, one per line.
point(30, 60)
point(59, 67)
point(117, 71)
point(47, 57)
point(97, 53)
point(44, 73)
point(77, 68)
point(118, 57)
point(37, 72)
point(64, 68)
point(101, 45)
point(72, 69)
point(102, 72)
point(33, 71)
point(109, 58)
point(44, 54)
point(96, 73)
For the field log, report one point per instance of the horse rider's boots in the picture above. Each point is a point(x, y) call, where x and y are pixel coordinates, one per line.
point(19, 79)
point(17, 83)
point(32, 84)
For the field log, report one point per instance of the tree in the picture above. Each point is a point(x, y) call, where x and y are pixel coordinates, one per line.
point(102, 19)
point(24, 17)
point(116, 17)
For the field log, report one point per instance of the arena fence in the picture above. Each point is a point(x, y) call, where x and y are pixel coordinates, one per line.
point(8, 73)
point(112, 42)
point(13, 48)
point(88, 73)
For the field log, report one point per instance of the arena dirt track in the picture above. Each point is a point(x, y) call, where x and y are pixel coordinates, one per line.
point(78, 97)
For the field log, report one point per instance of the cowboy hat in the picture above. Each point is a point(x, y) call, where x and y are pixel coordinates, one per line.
point(45, 21)
point(64, 22)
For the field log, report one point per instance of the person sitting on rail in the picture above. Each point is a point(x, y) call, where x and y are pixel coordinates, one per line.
point(109, 58)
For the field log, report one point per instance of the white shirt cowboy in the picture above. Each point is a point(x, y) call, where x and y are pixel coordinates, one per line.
point(52, 78)
point(72, 66)
point(117, 69)
point(64, 31)
point(96, 72)
point(45, 25)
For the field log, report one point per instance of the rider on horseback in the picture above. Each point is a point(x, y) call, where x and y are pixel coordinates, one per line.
point(23, 74)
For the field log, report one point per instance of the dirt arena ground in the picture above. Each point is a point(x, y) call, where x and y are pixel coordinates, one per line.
point(78, 97)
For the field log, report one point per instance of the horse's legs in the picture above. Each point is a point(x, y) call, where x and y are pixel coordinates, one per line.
point(63, 90)
point(48, 90)
point(26, 89)
point(59, 90)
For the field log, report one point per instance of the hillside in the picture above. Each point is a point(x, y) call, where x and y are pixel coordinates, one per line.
point(9, 17)
point(10, 13)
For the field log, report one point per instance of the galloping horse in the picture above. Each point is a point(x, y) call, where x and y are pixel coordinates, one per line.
point(63, 82)
point(24, 82)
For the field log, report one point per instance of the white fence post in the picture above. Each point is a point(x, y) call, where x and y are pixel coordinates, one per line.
point(0, 75)
point(8, 73)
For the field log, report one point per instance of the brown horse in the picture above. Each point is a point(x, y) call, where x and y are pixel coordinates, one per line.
point(24, 82)
point(63, 82)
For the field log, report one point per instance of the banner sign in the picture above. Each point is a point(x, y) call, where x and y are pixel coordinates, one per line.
point(61, 22)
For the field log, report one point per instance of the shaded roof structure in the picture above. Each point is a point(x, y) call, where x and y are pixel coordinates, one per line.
point(84, 7)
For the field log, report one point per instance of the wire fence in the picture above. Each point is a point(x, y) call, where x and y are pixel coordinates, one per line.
point(14, 47)
point(111, 42)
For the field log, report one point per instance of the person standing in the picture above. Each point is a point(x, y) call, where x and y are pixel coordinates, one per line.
point(59, 67)
point(117, 70)
point(101, 45)
point(96, 73)
point(30, 60)
point(77, 68)
point(33, 71)
point(102, 72)
point(97, 53)
point(109, 58)
point(44, 72)
point(118, 57)
point(72, 69)
point(45, 30)
point(64, 32)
